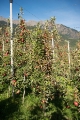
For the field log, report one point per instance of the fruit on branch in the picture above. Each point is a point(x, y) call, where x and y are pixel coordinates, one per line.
point(7, 41)
point(76, 103)
point(18, 91)
point(4, 74)
point(21, 34)
point(6, 54)
point(25, 74)
point(22, 40)
point(41, 106)
point(13, 82)
point(76, 69)
point(68, 106)
point(43, 101)
point(6, 34)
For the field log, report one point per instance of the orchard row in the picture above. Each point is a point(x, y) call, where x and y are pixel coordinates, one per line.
point(42, 66)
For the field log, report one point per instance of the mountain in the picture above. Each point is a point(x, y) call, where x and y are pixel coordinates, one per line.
point(66, 32)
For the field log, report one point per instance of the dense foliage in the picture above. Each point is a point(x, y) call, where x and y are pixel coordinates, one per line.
point(46, 84)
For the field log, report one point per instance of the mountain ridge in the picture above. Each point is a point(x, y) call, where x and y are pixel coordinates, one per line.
point(64, 31)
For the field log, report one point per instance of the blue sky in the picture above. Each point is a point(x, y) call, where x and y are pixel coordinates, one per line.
point(67, 12)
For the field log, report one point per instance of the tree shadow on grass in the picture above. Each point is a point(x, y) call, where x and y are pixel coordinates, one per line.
point(58, 98)
point(7, 108)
